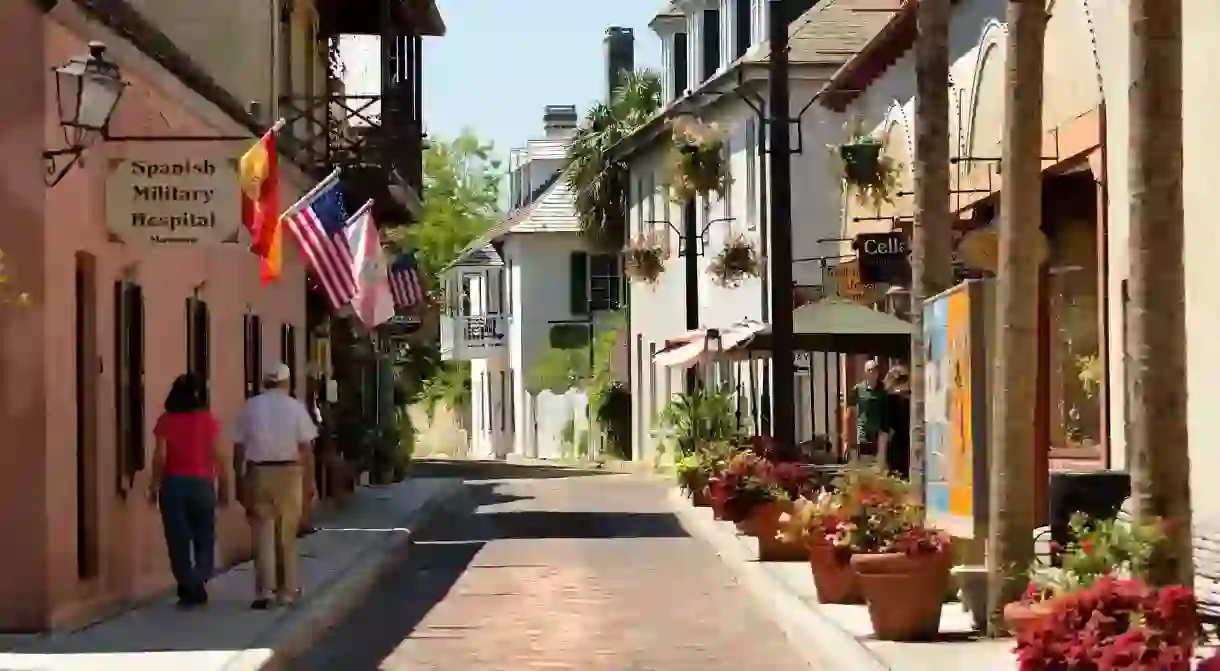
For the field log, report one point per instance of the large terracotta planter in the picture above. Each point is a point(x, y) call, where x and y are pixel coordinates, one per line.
point(763, 520)
point(904, 593)
point(700, 498)
point(1024, 618)
point(779, 549)
point(833, 576)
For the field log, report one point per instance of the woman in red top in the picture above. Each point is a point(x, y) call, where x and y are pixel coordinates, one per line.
point(189, 479)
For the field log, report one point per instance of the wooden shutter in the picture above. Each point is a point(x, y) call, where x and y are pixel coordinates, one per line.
point(681, 65)
point(288, 354)
point(135, 388)
point(202, 328)
point(121, 419)
point(711, 44)
point(742, 30)
point(256, 352)
point(579, 278)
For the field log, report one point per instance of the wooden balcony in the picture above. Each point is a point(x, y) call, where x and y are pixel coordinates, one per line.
point(380, 17)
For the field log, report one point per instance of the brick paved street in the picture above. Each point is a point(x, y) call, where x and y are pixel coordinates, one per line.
point(588, 572)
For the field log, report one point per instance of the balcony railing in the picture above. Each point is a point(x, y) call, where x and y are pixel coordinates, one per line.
point(473, 337)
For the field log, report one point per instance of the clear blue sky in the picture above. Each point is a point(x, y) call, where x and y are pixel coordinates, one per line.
point(502, 61)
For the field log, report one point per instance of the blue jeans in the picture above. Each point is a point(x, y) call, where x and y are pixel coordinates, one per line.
point(188, 515)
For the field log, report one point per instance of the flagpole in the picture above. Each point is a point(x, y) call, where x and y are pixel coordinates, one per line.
point(277, 126)
point(321, 186)
point(359, 213)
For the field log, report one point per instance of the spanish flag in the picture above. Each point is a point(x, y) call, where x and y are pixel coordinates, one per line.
point(260, 208)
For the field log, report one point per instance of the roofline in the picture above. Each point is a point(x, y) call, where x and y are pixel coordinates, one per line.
point(431, 23)
point(881, 52)
point(743, 71)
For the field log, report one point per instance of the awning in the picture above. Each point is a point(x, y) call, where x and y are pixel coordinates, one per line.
point(686, 348)
point(825, 326)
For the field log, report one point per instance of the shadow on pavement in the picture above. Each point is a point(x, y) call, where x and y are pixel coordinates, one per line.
point(539, 524)
point(496, 470)
point(396, 606)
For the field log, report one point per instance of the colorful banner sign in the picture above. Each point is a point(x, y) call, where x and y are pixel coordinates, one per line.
point(955, 410)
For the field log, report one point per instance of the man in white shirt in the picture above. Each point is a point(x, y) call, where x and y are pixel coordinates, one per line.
point(272, 439)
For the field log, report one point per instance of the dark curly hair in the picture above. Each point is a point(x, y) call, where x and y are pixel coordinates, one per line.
point(185, 395)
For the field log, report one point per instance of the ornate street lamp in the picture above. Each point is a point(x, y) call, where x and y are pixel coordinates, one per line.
point(87, 91)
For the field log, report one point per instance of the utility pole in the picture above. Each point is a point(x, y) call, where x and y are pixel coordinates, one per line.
point(691, 243)
point(783, 396)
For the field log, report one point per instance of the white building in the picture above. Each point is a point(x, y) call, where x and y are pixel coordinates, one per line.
point(715, 59)
point(530, 284)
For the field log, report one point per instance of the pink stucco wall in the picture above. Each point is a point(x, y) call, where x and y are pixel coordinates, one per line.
point(41, 231)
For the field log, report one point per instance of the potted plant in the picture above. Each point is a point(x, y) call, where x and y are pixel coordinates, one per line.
point(695, 470)
point(644, 258)
point(697, 161)
point(748, 494)
point(737, 260)
point(1100, 548)
point(1116, 624)
point(864, 169)
point(817, 523)
point(902, 565)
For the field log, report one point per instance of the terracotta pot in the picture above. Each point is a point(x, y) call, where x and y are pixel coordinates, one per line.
point(1023, 618)
point(717, 508)
point(700, 498)
point(904, 593)
point(764, 520)
point(777, 548)
point(833, 576)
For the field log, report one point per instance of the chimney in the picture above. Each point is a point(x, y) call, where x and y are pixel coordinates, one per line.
point(559, 120)
point(620, 57)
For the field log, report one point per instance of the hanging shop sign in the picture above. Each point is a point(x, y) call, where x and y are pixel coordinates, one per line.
point(883, 258)
point(161, 198)
point(843, 282)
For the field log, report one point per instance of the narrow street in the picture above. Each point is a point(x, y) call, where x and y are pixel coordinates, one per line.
point(555, 569)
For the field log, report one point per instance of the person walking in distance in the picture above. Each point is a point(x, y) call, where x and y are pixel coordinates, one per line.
point(866, 404)
point(189, 479)
point(272, 452)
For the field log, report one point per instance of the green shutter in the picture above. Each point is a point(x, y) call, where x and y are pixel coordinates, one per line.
point(580, 283)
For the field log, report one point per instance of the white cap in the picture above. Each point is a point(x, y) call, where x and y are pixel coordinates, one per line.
point(277, 372)
point(871, 364)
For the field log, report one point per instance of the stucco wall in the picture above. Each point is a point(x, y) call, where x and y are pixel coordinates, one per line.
point(233, 40)
point(39, 352)
point(657, 310)
point(23, 343)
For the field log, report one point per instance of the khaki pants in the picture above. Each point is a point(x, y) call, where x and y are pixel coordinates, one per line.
point(276, 501)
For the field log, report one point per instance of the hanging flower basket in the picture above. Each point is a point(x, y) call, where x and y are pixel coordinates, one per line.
point(697, 162)
point(863, 168)
point(736, 261)
point(644, 258)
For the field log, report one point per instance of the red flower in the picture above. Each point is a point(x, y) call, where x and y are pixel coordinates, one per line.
point(1087, 546)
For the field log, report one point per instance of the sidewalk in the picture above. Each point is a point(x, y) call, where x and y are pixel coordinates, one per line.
point(838, 637)
point(340, 562)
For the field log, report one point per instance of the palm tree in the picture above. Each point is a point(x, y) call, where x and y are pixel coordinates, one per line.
point(599, 181)
point(931, 244)
point(1157, 329)
point(1013, 513)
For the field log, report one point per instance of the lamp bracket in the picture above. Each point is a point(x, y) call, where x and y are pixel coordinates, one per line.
point(54, 171)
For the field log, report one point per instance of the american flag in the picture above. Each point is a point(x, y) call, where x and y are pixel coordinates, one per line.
point(317, 223)
point(406, 283)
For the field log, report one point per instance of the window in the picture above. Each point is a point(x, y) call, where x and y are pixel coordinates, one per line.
point(253, 346)
point(651, 209)
point(742, 31)
point(711, 44)
point(751, 208)
point(681, 64)
point(285, 49)
point(503, 396)
point(652, 382)
point(605, 282)
point(198, 345)
point(641, 429)
point(467, 295)
point(288, 354)
point(128, 382)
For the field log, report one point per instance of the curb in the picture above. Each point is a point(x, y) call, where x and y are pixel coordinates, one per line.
point(819, 640)
point(295, 635)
